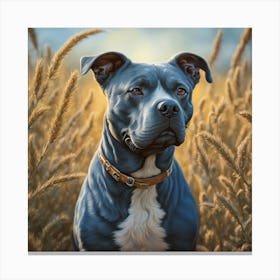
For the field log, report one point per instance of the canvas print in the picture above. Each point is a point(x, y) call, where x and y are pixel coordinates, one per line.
point(139, 139)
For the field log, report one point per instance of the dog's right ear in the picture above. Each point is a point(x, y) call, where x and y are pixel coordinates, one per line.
point(103, 66)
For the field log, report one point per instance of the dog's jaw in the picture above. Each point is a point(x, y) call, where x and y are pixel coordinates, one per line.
point(164, 140)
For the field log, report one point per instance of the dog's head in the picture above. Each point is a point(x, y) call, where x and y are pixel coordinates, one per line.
point(149, 106)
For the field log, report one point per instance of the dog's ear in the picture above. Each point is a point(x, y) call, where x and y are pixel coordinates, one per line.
point(190, 64)
point(104, 65)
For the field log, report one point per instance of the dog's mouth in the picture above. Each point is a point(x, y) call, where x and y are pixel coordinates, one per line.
point(130, 144)
point(164, 140)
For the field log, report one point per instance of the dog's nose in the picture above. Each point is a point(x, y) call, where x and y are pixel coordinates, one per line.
point(168, 108)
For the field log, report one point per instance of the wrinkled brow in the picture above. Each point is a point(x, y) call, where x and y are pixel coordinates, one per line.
point(143, 77)
point(171, 77)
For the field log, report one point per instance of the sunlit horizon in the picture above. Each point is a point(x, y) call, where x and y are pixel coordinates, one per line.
point(150, 45)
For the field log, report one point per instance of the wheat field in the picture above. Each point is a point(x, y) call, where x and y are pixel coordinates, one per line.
point(65, 118)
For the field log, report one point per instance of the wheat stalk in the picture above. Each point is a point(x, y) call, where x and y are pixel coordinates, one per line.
point(230, 188)
point(37, 79)
point(65, 49)
point(220, 146)
point(33, 37)
point(229, 91)
point(57, 123)
point(58, 120)
point(64, 244)
point(72, 121)
point(249, 85)
point(48, 55)
point(221, 107)
point(233, 211)
point(245, 38)
point(216, 48)
point(206, 204)
point(229, 205)
point(236, 80)
point(61, 219)
point(244, 68)
point(202, 156)
point(62, 161)
point(52, 96)
point(247, 222)
point(36, 114)
point(242, 133)
point(201, 105)
point(57, 59)
point(73, 138)
point(246, 115)
point(32, 154)
point(223, 150)
point(240, 195)
point(54, 181)
point(34, 243)
point(242, 152)
point(236, 76)
point(228, 185)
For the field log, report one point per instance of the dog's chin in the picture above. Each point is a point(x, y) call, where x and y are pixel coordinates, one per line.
point(163, 141)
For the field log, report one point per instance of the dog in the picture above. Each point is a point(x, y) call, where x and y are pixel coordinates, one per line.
point(135, 196)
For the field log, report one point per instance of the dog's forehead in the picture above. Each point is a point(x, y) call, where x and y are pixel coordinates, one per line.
point(159, 69)
point(161, 72)
point(167, 70)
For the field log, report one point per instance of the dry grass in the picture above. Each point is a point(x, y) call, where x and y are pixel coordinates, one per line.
point(65, 128)
point(33, 38)
point(216, 48)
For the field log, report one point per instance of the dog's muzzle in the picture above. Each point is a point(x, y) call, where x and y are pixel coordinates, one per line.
point(156, 128)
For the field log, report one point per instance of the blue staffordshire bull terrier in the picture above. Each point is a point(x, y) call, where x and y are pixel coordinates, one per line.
point(135, 196)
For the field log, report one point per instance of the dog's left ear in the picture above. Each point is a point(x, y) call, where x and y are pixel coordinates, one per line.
point(190, 64)
point(104, 65)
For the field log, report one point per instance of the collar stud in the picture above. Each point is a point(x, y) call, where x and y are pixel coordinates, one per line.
point(130, 181)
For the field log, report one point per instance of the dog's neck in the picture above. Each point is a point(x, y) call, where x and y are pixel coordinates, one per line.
point(125, 160)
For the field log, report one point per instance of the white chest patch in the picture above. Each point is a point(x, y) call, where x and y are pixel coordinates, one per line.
point(141, 230)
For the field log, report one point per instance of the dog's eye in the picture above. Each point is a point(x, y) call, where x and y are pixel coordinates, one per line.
point(181, 91)
point(136, 91)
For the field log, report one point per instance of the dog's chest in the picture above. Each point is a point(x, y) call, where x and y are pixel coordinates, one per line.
point(141, 230)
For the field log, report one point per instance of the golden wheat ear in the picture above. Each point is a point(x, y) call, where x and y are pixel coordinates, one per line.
point(216, 48)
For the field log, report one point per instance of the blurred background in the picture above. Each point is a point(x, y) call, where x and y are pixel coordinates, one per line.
point(152, 45)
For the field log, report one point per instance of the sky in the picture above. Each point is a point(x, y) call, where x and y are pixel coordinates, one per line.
point(150, 45)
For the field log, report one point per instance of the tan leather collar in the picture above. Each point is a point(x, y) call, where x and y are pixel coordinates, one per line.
point(141, 183)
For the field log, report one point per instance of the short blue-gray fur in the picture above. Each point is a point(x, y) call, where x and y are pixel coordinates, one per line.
point(103, 203)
